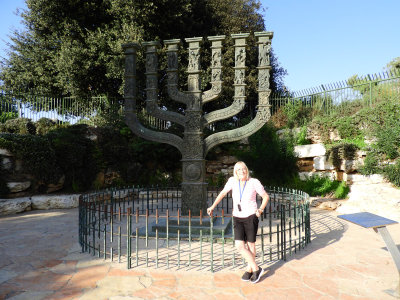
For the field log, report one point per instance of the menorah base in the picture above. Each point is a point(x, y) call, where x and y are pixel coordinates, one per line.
point(194, 198)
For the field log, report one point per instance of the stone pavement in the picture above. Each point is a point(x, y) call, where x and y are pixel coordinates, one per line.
point(40, 259)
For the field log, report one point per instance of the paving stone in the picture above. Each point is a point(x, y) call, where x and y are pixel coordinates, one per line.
point(344, 261)
point(31, 296)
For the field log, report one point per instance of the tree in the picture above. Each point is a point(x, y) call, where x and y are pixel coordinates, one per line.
point(394, 66)
point(73, 47)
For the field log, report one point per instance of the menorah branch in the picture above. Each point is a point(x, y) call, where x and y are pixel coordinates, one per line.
point(130, 103)
point(193, 146)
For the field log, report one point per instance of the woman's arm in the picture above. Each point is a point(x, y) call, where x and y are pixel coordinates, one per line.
point(263, 204)
point(220, 196)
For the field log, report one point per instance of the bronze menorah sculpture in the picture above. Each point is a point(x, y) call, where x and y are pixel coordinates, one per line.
point(193, 146)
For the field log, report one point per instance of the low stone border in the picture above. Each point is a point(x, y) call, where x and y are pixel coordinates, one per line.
point(18, 205)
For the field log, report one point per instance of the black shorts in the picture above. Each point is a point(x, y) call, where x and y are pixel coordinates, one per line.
point(245, 229)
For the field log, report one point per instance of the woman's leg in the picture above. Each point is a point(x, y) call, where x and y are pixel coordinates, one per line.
point(247, 253)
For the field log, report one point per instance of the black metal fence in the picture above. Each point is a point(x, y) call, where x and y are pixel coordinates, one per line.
point(144, 227)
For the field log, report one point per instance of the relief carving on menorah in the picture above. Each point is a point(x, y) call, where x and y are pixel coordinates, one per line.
point(193, 145)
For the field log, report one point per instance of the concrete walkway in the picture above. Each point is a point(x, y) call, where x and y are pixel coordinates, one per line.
point(40, 259)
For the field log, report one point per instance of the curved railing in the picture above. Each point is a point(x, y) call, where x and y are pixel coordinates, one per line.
point(144, 227)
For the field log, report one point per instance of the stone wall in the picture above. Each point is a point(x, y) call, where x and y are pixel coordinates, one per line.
point(13, 206)
point(312, 160)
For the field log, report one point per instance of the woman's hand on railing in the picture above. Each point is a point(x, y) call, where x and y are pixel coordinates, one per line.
point(209, 211)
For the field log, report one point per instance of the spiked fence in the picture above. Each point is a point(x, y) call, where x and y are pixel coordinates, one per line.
point(144, 227)
point(365, 90)
point(72, 110)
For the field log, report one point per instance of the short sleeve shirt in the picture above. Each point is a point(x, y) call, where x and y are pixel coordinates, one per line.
point(248, 202)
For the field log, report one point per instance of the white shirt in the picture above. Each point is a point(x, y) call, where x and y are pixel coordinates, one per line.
point(249, 192)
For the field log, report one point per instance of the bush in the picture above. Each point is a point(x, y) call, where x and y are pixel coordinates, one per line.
point(45, 125)
point(76, 155)
point(152, 156)
point(114, 153)
point(371, 164)
point(4, 190)
point(319, 186)
point(388, 140)
point(342, 190)
point(271, 159)
point(346, 127)
point(9, 115)
point(36, 153)
point(335, 154)
point(297, 114)
point(301, 138)
point(18, 126)
point(392, 173)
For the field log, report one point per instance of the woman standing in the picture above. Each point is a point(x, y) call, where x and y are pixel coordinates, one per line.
point(245, 215)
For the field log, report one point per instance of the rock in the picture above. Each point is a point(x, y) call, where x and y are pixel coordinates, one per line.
point(307, 175)
point(305, 164)
point(225, 171)
point(349, 166)
point(16, 187)
point(7, 163)
point(326, 203)
point(55, 201)
point(5, 152)
point(321, 163)
point(313, 150)
point(13, 206)
point(55, 187)
point(334, 135)
point(228, 160)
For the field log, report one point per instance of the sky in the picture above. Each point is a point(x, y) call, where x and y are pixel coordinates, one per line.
point(326, 41)
point(316, 41)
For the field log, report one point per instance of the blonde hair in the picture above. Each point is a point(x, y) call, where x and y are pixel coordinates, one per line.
point(235, 168)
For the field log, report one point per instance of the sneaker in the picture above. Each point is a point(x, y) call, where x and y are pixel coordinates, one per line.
point(246, 276)
point(257, 275)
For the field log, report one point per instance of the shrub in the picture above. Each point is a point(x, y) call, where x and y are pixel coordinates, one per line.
point(342, 190)
point(346, 127)
point(337, 153)
point(297, 114)
point(4, 190)
point(151, 156)
point(36, 153)
point(44, 125)
point(371, 164)
point(321, 186)
point(9, 115)
point(18, 126)
point(271, 159)
point(114, 152)
point(392, 173)
point(301, 138)
point(388, 140)
point(76, 155)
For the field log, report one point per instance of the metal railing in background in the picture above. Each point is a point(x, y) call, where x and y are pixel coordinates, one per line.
point(326, 98)
point(363, 91)
point(144, 227)
point(34, 106)
point(70, 110)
